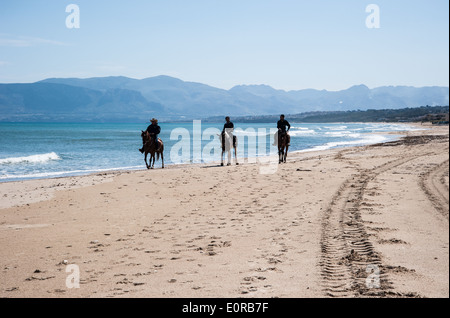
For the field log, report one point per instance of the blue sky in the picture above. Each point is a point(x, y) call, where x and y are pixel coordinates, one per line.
point(287, 44)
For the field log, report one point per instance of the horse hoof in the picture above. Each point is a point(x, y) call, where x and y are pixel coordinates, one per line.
point(221, 164)
point(237, 163)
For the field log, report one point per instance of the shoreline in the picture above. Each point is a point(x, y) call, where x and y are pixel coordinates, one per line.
point(175, 232)
point(35, 191)
point(74, 174)
point(94, 178)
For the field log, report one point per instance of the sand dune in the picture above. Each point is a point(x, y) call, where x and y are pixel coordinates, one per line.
point(357, 222)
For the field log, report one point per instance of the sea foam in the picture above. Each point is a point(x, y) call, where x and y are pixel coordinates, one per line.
point(41, 158)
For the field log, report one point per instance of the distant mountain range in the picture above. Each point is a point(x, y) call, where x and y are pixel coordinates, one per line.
point(122, 99)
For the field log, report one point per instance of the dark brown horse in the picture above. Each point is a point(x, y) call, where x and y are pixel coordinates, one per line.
point(150, 148)
point(283, 147)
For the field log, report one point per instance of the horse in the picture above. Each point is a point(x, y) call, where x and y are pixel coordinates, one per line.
point(150, 148)
point(283, 147)
point(227, 147)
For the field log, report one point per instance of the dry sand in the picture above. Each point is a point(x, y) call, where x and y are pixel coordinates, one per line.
point(357, 222)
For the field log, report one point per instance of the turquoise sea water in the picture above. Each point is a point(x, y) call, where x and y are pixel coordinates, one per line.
point(46, 150)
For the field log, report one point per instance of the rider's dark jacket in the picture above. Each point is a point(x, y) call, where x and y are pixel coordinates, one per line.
point(282, 125)
point(229, 125)
point(154, 129)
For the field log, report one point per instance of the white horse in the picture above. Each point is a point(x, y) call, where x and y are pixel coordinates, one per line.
point(227, 147)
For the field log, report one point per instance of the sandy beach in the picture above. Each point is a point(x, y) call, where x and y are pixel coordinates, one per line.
point(366, 221)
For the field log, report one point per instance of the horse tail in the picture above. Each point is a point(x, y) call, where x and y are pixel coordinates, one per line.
point(161, 149)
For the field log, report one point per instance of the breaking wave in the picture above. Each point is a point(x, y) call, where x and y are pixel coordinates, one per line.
point(42, 158)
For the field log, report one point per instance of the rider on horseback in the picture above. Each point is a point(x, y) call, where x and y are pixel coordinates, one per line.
point(153, 130)
point(281, 125)
point(229, 128)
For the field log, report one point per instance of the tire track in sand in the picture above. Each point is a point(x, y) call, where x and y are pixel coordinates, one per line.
point(432, 183)
point(347, 255)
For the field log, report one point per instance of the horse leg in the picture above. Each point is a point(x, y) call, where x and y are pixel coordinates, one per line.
point(162, 157)
point(145, 159)
point(285, 153)
point(221, 158)
point(229, 158)
point(235, 156)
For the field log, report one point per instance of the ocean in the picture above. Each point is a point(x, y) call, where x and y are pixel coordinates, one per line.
point(48, 150)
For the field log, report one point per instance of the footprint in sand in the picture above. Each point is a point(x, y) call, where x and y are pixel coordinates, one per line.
point(250, 284)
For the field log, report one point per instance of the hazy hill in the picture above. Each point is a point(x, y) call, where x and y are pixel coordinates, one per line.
point(435, 114)
point(126, 99)
point(50, 101)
